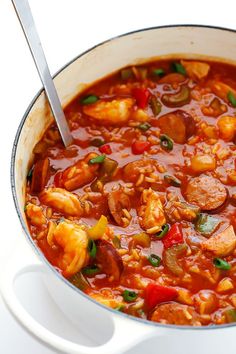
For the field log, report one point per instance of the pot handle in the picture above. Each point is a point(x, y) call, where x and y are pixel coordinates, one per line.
point(119, 342)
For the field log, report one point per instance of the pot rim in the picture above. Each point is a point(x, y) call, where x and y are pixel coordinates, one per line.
point(23, 224)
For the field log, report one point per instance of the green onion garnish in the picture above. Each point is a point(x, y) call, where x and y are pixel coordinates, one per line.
point(178, 68)
point(166, 142)
point(158, 72)
point(163, 232)
point(129, 295)
point(97, 159)
point(97, 142)
point(92, 248)
point(230, 315)
point(231, 98)
point(89, 99)
point(154, 260)
point(144, 126)
point(90, 270)
point(221, 264)
point(173, 181)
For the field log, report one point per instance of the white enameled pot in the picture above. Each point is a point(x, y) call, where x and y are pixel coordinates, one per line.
point(118, 331)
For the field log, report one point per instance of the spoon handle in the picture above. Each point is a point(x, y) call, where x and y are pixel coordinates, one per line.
point(27, 23)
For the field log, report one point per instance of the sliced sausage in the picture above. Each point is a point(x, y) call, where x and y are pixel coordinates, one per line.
point(109, 259)
point(119, 204)
point(174, 313)
point(40, 175)
point(178, 125)
point(206, 192)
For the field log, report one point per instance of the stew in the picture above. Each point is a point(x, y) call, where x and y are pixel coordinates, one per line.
point(139, 212)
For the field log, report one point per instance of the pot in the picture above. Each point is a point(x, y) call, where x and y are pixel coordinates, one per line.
point(118, 331)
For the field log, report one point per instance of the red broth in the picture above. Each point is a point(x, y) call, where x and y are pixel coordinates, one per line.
point(139, 212)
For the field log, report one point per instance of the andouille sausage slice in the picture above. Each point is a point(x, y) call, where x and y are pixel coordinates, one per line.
point(178, 125)
point(206, 192)
point(174, 313)
point(109, 259)
point(40, 175)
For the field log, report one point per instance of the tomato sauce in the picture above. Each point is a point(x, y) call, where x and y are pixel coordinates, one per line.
point(139, 212)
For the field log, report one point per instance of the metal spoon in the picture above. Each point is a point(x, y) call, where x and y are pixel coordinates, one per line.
point(27, 23)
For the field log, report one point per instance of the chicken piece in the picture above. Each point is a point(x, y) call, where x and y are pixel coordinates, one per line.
point(227, 127)
point(80, 174)
point(151, 214)
point(177, 210)
point(35, 214)
point(196, 70)
point(74, 242)
point(112, 112)
point(174, 313)
point(119, 206)
point(222, 244)
point(62, 201)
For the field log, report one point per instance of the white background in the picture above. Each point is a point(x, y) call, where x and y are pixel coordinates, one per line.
point(66, 28)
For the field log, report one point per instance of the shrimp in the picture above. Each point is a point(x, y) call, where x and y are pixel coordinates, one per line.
point(74, 242)
point(35, 214)
point(112, 112)
point(80, 174)
point(119, 206)
point(62, 201)
point(151, 214)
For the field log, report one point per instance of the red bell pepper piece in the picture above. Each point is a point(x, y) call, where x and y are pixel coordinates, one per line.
point(156, 294)
point(174, 236)
point(138, 147)
point(141, 95)
point(105, 149)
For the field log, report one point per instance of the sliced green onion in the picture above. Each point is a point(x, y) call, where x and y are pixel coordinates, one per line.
point(173, 181)
point(231, 98)
point(177, 67)
point(91, 270)
point(129, 295)
point(126, 74)
point(144, 126)
point(154, 260)
point(166, 142)
point(97, 142)
point(221, 264)
point(163, 232)
point(97, 159)
point(230, 315)
point(119, 307)
point(206, 224)
point(92, 248)
point(158, 72)
point(155, 105)
point(25, 207)
point(89, 99)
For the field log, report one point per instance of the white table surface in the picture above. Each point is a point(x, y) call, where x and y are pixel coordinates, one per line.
point(66, 27)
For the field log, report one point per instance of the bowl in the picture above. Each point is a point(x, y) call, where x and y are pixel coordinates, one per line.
point(186, 41)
